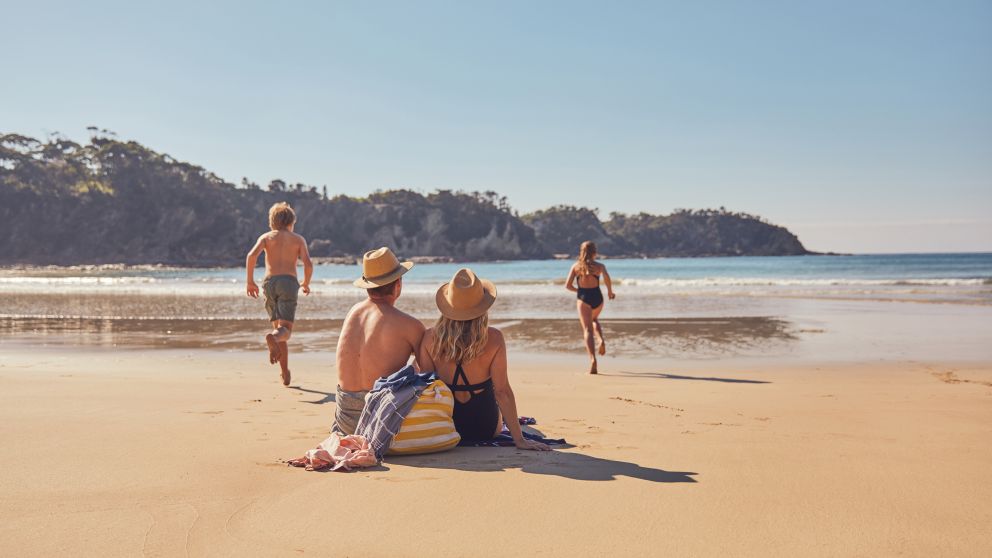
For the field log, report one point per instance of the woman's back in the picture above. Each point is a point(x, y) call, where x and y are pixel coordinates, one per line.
point(476, 371)
point(476, 413)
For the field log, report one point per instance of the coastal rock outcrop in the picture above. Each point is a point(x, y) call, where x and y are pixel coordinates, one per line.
point(110, 201)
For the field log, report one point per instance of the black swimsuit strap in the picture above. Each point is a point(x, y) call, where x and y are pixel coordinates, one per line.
point(589, 275)
point(460, 373)
point(465, 386)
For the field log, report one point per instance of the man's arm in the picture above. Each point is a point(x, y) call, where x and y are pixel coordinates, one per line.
point(307, 266)
point(250, 261)
point(424, 359)
point(417, 339)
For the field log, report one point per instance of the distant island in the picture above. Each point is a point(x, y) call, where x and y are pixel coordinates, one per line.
point(113, 201)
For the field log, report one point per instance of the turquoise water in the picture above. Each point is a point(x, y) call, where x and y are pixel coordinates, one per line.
point(972, 269)
point(648, 288)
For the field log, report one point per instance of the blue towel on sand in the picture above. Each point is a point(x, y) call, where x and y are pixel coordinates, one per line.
point(506, 440)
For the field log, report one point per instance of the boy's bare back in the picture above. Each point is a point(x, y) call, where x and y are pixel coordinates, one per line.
point(282, 250)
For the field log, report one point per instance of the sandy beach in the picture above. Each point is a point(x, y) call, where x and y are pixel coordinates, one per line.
point(814, 417)
point(739, 257)
point(179, 452)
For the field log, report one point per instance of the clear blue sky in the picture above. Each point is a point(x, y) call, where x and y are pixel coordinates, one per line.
point(863, 126)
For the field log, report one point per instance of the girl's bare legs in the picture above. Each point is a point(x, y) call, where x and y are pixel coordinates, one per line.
point(600, 340)
point(586, 319)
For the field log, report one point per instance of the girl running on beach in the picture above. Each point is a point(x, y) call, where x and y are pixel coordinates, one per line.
point(585, 274)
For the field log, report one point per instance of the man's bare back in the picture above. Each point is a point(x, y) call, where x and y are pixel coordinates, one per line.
point(376, 340)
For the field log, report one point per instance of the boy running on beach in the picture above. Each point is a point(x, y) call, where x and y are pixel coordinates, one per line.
point(282, 249)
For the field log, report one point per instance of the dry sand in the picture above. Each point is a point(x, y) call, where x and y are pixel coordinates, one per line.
point(178, 453)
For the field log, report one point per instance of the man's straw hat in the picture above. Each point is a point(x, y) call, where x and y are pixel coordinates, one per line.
point(466, 296)
point(380, 267)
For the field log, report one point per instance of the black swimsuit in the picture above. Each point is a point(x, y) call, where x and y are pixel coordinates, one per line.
point(476, 418)
point(592, 295)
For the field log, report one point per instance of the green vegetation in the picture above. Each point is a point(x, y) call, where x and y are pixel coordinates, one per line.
point(111, 201)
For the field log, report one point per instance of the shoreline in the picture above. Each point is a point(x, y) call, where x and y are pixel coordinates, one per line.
point(356, 260)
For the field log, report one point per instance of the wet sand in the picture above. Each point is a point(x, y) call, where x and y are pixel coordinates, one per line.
point(783, 428)
point(177, 452)
point(644, 337)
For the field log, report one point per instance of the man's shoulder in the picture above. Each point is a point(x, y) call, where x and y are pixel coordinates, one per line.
point(407, 319)
point(354, 312)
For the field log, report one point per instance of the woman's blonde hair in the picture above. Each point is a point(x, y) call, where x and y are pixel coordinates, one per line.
point(281, 216)
point(459, 341)
point(587, 253)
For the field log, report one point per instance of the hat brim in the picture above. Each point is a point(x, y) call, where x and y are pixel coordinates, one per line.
point(465, 314)
point(364, 283)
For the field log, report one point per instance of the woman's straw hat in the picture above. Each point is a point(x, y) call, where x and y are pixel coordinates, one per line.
point(465, 297)
point(380, 267)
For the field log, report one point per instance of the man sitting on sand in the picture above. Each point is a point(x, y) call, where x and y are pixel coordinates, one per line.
point(283, 248)
point(376, 338)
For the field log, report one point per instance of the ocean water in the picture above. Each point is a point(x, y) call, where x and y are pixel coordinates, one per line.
point(937, 274)
point(692, 307)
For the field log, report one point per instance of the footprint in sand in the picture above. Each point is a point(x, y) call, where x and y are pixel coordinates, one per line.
point(639, 402)
point(949, 377)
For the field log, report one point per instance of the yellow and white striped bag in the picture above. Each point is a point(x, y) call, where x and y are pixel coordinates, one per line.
point(428, 428)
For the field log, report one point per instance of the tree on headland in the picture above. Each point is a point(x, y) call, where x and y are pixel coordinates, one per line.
point(110, 201)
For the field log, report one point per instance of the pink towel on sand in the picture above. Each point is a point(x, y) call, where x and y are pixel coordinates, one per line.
point(337, 452)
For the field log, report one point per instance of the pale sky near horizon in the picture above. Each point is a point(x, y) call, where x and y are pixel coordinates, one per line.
point(862, 126)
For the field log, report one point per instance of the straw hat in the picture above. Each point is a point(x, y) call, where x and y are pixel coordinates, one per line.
point(466, 296)
point(380, 267)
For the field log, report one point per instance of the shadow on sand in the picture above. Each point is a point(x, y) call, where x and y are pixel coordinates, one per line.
point(328, 397)
point(574, 466)
point(666, 376)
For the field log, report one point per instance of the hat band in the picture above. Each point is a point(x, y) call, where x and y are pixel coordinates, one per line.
point(380, 277)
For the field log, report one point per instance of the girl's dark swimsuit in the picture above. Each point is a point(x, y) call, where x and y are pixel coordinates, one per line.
point(592, 295)
point(476, 418)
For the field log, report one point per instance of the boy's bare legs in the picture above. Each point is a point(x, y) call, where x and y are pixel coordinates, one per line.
point(284, 362)
point(270, 340)
point(585, 318)
point(278, 349)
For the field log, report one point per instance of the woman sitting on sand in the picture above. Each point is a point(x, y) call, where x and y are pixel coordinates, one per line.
point(585, 273)
point(470, 357)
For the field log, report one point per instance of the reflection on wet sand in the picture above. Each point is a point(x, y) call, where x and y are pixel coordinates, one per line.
point(700, 337)
point(659, 337)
